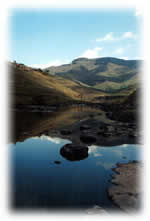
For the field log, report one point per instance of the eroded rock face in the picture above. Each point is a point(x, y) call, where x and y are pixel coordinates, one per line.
point(74, 152)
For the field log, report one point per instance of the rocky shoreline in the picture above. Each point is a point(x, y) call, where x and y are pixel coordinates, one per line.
point(126, 190)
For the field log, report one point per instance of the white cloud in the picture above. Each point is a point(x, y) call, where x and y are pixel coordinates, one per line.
point(49, 64)
point(107, 37)
point(138, 11)
point(119, 51)
point(110, 37)
point(129, 35)
point(125, 58)
point(91, 53)
point(138, 58)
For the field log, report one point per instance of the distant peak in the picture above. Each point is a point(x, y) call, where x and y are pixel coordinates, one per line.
point(109, 59)
point(78, 60)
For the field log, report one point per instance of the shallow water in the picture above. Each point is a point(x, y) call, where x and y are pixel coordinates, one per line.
point(38, 182)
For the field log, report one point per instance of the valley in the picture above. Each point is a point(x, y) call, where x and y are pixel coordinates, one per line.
point(87, 108)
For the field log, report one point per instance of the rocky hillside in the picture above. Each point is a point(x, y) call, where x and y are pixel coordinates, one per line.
point(107, 74)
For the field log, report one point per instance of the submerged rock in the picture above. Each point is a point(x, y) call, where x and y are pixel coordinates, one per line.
point(74, 152)
point(57, 162)
point(124, 157)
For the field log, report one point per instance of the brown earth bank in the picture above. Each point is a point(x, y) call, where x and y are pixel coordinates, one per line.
point(126, 190)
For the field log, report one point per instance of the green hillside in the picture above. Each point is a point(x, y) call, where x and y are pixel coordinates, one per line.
point(106, 74)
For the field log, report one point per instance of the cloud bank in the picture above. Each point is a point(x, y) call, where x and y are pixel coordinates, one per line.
point(110, 37)
point(92, 53)
point(49, 64)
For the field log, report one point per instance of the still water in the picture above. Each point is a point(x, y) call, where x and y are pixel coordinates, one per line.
point(40, 182)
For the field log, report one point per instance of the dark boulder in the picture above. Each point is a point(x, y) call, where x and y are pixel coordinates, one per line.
point(103, 126)
point(109, 114)
point(85, 127)
point(74, 152)
point(89, 139)
point(66, 132)
point(131, 135)
point(102, 130)
point(107, 135)
point(91, 115)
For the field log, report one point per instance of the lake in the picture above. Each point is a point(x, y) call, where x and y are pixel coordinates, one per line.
point(43, 179)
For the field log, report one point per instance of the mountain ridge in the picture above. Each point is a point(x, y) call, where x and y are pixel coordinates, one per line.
point(87, 83)
point(100, 73)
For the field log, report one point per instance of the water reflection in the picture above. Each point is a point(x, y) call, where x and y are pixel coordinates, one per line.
point(31, 124)
point(93, 149)
point(47, 175)
point(52, 139)
point(38, 182)
point(81, 125)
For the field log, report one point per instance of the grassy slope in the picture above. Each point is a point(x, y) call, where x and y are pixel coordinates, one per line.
point(33, 87)
point(109, 86)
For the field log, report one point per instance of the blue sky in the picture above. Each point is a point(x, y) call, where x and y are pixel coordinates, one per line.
point(42, 38)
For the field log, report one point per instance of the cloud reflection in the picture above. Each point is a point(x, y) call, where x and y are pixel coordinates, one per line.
point(107, 166)
point(93, 149)
point(55, 140)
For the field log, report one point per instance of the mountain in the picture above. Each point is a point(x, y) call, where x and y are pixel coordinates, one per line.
point(107, 74)
point(103, 80)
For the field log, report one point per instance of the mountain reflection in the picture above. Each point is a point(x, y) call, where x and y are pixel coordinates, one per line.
point(80, 124)
point(31, 124)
